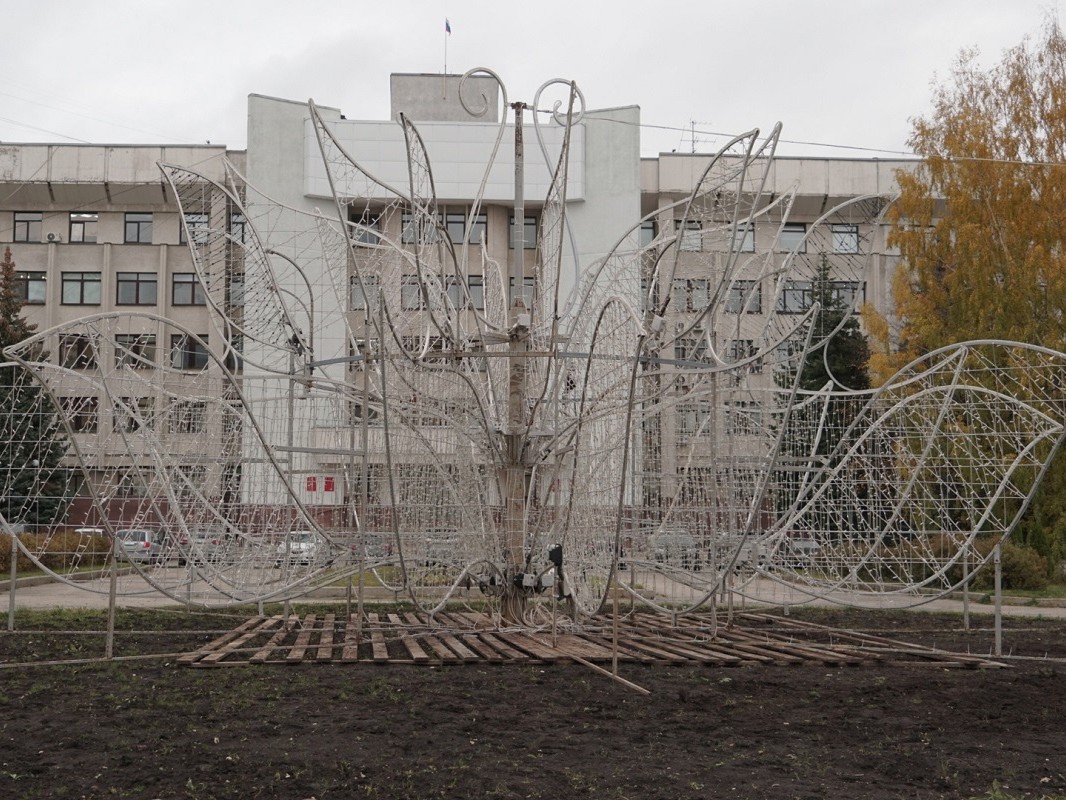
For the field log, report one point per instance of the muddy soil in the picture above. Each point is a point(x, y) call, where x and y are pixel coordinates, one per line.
point(152, 729)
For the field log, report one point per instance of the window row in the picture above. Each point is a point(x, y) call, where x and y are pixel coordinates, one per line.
point(742, 417)
point(456, 226)
point(131, 288)
point(694, 294)
point(844, 239)
point(364, 292)
point(133, 351)
point(132, 414)
point(138, 227)
point(694, 348)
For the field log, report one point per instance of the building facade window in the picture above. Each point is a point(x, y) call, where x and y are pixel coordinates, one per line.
point(30, 288)
point(419, 228)
point(411, 293)
point(795, 298)
point(81, 288)
point(131, 414)
point(692, 347)
point(692, 419)
point(744, 238)
point(741, 349)
point(186, 353)
point(77, 351)
point(691, 294)
point(138, 228)
point(187, 416)
point(136, 289)
point(363, 293)
point(235, 289)
point(528, 233)
point(455, 225)
point(186, 290)
point(849, 294)
point(83, 227)
point(81, 413)
point(792, 239)
point(529, 290)
point(744, 297)
point(194, 228)
point(649, 229)
point(368, 230)
point(845, 238)
point(28, 225)
point(690, 239)
point(135, 350)
point(743, 418)
point(468, 294)
point(237, 227)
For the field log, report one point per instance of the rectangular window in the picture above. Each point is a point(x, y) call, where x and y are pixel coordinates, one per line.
point(472, 295)
point(649, 229)
point(77, 351)
point(795, 298)
point(83, 227)
point(791, 238)
point(692, 419)
point(745, 238)
point(131, 414)
point(476, 285)
point(28, 226)
point(529, 289)
point(237, 225)
point(692, 347)
point(135, 350)
point(235, 289)
point(419, 228)
point(691, 294)
point(363, 296)
point(186, 290)
point(369, 227)
point(691, 238)
point(135, 289)
point(186, 352)
point(744, 297)
point(81, 412)
point(187, 416)
point(410, 293)
point(81, 288)
point(194, 228)
point(234, 358)
point(138, 228)
point(849, 294)
point(741, 349)
point(528, 233)
point(30, 288)
point(845, 238)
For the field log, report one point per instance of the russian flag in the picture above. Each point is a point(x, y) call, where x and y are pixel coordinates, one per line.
point(447, 26)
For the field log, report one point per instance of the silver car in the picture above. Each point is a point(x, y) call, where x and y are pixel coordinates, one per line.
point(300, 547)
point(139, 545)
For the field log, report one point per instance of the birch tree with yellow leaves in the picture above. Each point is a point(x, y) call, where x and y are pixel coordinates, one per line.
point(980, 225)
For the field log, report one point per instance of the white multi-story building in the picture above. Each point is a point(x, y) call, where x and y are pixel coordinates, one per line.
point(95, 229)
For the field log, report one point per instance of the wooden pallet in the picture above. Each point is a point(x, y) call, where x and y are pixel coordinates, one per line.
point(464, 638)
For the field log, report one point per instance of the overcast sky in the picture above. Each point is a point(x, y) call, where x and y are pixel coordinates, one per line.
point(844, 72)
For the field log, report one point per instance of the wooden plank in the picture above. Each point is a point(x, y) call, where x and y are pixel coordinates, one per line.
point(351, 641)
point(473, 641)
point(460, 649)
point(218, 655)
point(530, 647)
point(325, 643)
point(200, 652)
point(439, 649)
point(657, 654)
point(377, 640)
point(303, 639)
point(275, 641)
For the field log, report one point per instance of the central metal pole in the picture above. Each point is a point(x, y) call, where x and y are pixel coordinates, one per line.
point(513, 477)
point(11, 583)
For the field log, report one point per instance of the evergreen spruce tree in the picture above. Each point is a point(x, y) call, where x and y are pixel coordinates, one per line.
point(34, 487)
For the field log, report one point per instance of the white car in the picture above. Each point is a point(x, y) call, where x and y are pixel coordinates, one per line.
point(299, 547)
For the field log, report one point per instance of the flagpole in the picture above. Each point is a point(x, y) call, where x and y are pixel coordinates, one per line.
point(444, 77)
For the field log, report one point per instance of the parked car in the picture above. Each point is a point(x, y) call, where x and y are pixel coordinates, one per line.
point(139, 545)
point(203, 546)
point(801, 552)
point(299, 547)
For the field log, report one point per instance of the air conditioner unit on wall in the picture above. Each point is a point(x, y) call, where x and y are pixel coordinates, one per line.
point(54, 237)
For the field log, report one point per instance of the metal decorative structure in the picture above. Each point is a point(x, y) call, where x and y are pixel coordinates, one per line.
point(481, 429)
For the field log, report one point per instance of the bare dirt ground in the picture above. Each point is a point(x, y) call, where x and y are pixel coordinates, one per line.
point(152, 729)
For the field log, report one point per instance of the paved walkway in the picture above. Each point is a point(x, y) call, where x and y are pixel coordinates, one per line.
point(134, 592)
